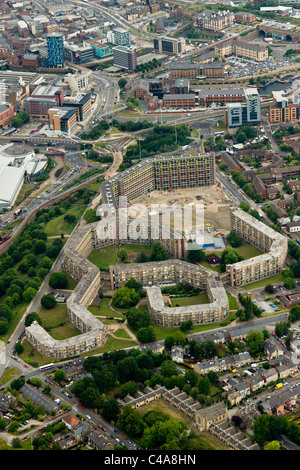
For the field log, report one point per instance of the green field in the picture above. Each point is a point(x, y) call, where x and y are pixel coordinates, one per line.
point(9, 374)
point(264, 282)
point(104, 309)
point(169, 411)
point(194, 300)
point(134, 250)
point(248, 251)
point(103, 257)
point(71, 282)
point(58, 225)
point(111, 344)
point(232, 302)
point(121, 333)
point(55, 319)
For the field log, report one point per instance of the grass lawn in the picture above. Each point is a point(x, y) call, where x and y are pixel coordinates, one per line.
point(25, 445)
point(264, 282)
point(121, 333)
point(71, 282)
point(112, 344)
point(162, 407)
point(104, 310)
point(248, 251)
point(194, 300)
point(203, 442)
point(103, 257)
point(232, 302)
point(209, 266)
point(9, 374)
point(134, 250)
point(55, 318)
point(58, 225)
point(31, 353)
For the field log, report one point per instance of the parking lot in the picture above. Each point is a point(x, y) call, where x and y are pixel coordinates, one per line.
point(240, 67)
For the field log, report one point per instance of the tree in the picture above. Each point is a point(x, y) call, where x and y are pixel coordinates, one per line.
point(196, 256)
point(122, 82)
point(186, 326)
point(122, 254)
point(59, 375)
point(130, 421)
point(125, 297)
point(204, 386)
point(168, 369)
point(48, 301)
point(29, 294)
point(234, 239)
point(138, 318)
point(273, 445)
point(158, 253)
point(31, 317)
point(58, 280)
point(270, 289)
point(255, 340)
point(110, 409)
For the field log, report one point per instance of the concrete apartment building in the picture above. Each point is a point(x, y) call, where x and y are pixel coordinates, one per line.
point(273, 245)
point(153, 275)
point(77, 247)
point(162, 174)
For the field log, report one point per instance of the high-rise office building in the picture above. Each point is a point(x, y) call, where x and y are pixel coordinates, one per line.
point(55, 48)
point(125, 57)
point(121, 37)
point(248, 112)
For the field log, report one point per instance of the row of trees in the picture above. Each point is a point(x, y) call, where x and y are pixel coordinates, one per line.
point(160, 140)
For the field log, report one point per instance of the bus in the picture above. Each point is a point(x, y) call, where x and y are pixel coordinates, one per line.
point(46, 366)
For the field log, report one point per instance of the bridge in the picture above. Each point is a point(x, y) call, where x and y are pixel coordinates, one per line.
point(289, 35)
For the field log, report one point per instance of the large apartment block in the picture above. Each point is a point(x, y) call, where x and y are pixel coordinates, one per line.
point(241, 49)
point(156, 274)
point(161, 173)
point(78, 246)
point(273, 245)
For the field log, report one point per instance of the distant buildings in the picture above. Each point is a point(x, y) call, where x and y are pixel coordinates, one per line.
point(125, 58)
